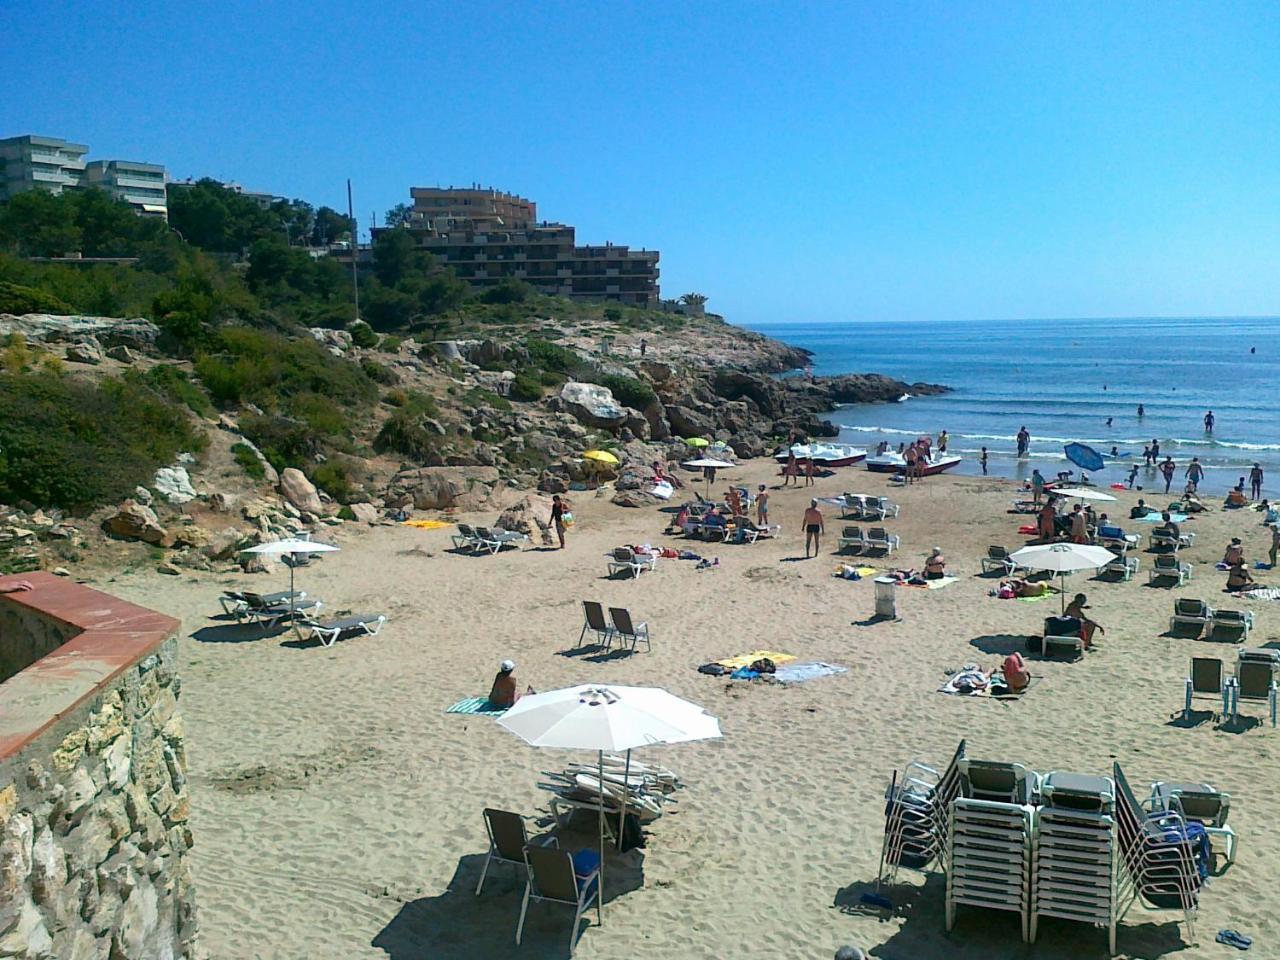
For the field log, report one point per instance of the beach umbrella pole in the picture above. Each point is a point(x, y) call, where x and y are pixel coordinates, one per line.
point(600, 880)
point(626, 796)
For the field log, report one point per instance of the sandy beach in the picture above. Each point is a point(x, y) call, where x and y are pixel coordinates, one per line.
point(337, 808)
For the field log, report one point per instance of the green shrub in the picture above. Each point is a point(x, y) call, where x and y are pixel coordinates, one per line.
point(248, 461)
point(508, 291)
point(15, 298)
point(176, 384)
point(396, 398)
point(70, 443)
point(362, 335)
point(479, 397)
point(525, 387)
point(549, 378)
point(285, 442)
point(405, 434)
point(628, 391)
point(390, 344)
point(332, 478)
point(378, 372)
point(546, 355)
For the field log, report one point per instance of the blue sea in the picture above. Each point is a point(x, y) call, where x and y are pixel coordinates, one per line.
point(1063, 379)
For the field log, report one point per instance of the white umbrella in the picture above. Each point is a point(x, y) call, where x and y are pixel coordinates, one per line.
point(292, 548)
point(708, 462)
point(1081, 493)
point(1062, 558)
point(601, 718)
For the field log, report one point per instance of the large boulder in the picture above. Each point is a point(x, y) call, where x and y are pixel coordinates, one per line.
point(174, 484)
point(443, 488)
point(530, 515)
point(593, 405)
point(46, 328)
point(634, 498)
point(364, 512)
point(133, 521)
point(686, 422)
point(299, 491)
point(88, 350)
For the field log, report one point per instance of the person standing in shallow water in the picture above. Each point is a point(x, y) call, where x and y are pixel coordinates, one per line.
point(1208, 422)
point(983, 460)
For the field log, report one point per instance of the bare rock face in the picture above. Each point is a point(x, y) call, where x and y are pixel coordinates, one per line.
point(634, 498)
point(442, 488)
point(592, 404)
point(174, 484)
point(133, 521)
point(87, 351)
point(364, 512)
point(530, 515)
point(137, 333)
point(300, 492)
point(122, 353)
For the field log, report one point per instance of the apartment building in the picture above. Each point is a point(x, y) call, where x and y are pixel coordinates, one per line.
point(487, 236)
point(53, 164)
point(141, 185)
point(40, 163)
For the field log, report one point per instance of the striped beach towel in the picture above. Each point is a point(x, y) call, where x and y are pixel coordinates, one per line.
point(477, 705)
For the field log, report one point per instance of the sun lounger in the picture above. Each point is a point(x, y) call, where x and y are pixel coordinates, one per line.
point(367, 625)
point(1062, 633)
point(1161, 537)
point(1026, 506)
point(497, 538)
point(851, 538)
point(1121, 564)
point(625, 630)
point(1236, 621)
point(595, 622)
point(555, 876)
point(1199, 802)
point(998, 781)
point(267, 617)
point(1167, 566)
point(916, 817)
point(886, 507)
point(507, 840)
point(1190, 612)
point(465, 538)
point(750, 532)
point(989, 858)
point(238, 605)
point(1255, 681)
point(1206, 680)
point(997, 558)
point(626, 560)
point(881, 539)
point(852, 506)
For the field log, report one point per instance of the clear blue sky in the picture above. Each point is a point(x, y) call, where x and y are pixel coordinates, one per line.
point(822, 161)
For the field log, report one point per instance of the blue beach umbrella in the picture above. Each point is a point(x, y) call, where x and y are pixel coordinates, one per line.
point(1084, 457)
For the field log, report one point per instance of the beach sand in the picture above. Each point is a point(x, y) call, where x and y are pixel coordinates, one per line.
point(337, 808)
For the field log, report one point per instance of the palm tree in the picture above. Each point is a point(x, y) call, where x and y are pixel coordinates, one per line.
point(693, 299)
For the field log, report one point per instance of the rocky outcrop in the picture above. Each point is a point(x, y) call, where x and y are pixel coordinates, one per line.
point(530, 515)
point(443, 488)
point(174, 484)
point(88, 350)
point(301, 492)
point(133, 521)
point(593, 405)
point(137, 333)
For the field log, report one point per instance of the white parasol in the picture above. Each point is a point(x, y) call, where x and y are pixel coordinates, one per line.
point(607, 719)
point(1081, 493)
point(1062, 558)
point(291, 548)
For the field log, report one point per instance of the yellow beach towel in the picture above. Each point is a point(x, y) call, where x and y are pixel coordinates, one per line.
point(427, 524)
point(733, 663)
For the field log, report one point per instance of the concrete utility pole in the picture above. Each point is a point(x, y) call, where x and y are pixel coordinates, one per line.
point(355, 249)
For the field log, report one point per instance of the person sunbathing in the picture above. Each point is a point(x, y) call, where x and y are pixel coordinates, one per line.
point(1020, 587)
point(1234, 553)
point(1269, 513)
point(1240, 580)
point(935, 565)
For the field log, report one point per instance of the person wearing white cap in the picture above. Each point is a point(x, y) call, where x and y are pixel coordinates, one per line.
point(935, 565)
point(505, 692)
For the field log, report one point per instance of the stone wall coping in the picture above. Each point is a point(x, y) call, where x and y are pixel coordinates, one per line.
point(114, 635)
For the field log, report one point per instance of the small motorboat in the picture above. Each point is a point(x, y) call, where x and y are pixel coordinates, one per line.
point(891, 462)
point(822, 454)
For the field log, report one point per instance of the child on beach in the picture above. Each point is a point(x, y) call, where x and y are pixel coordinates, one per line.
point(762, 506)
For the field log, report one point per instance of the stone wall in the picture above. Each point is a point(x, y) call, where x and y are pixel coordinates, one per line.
point(93, 813)
point(26, 636)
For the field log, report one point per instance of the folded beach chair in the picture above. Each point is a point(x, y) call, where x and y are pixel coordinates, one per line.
point(1190, 612)
point(625, 630)
point(367, 625)
point(989, 858)
point(1206, 680)
point(882, 539)
point(1232, 621)
point(1167, 566)
point(238, 605)
point(1062, 632)
point(595, 622)
point(1199, 802)
point(998, 781)
point(750, 532)
point(851, 538)
point(626, 560)
point(916, 811)
point(465, 539)
point(507, 840)
point(997, 558)
point(1255, 680)
point(555, 876)
point(1158, 862)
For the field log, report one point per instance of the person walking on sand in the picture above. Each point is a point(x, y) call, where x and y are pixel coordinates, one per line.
point(1037, 485)
point(762, 506)
point(1195, 473)
point(813, 528)
point(1275, 544)
point(983, 460)
point(1208, 422)
point(1255, 482)
point(789, 471)
point(808, 472)
point(911, 456)
point(558, 510)
point(1167, 469)
point(1079, 525)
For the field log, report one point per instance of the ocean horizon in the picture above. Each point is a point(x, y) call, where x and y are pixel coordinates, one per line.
point(1064, 379)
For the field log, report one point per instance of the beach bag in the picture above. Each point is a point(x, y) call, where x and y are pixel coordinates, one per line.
point(763, 665)
point(713, 669)
point(566, 519)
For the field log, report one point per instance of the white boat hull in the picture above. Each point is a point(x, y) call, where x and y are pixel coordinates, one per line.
point(894, 463)
point(823, 454)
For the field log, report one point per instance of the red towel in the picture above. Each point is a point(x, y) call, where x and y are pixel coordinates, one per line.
point(1028, 529)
